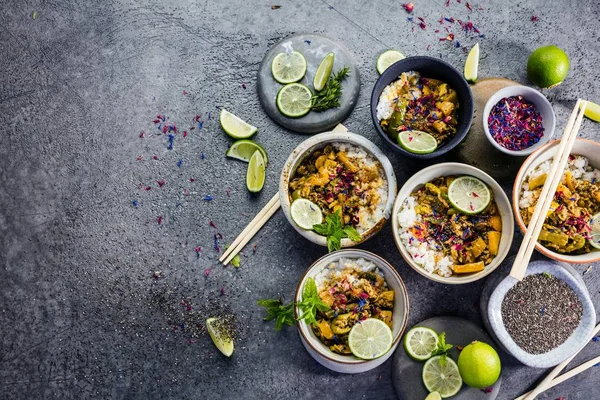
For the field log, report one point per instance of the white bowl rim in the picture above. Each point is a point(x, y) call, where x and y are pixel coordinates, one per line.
point(415, 181)
point(526, 166)
point(308, 146)
point(379, 261)
point(526, 91)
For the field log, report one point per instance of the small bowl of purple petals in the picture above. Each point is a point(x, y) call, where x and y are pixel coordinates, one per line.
point(517, 120)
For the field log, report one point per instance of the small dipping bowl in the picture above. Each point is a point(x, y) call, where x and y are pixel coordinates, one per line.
point(349, 364)
point(542, 105)
point(578, 339)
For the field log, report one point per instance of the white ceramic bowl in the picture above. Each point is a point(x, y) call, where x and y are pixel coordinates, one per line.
point(316, 142)
point(582, 147)
point(444, 169)
point(572, 345)
point(542, 105)
point(349, 364)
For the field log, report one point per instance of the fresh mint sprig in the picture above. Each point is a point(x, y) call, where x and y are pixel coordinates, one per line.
point(442, 348)
point(335, 231)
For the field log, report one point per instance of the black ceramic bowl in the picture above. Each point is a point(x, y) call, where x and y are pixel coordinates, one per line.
point(429, 67)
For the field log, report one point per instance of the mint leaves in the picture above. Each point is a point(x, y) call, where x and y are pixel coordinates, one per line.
point(335, 232)
point(442, 348)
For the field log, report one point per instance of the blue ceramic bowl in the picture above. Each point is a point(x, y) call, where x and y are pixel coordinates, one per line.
point(429, 67)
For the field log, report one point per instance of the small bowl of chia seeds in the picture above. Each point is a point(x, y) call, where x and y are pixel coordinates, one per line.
point(543, 319)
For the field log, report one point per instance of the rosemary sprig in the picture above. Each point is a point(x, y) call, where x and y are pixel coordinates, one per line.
point(330, 96)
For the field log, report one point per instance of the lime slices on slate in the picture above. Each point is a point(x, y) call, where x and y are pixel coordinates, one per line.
point(288, 67)
point(294, 100)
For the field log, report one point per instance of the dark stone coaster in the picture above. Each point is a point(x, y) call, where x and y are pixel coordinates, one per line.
point(314, 48)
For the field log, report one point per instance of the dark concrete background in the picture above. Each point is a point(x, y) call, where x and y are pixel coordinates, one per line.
point(83, 313)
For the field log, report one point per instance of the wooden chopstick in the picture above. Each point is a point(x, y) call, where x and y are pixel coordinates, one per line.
point(233, 248)
point(546, 383)
point(552, 180)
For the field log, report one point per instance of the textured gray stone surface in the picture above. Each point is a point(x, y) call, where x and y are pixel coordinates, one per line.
point(81, 314)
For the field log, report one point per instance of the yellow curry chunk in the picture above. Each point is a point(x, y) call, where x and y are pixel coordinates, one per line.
point(468, 268)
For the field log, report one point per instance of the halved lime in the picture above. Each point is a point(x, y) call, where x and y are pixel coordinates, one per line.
point(469, 195)
point(370, 339)
point(387, 58)
point(420, 342)
point(219, 335)
point(444, 379)
point(592, 111)
point(417, 142)
point(294, 100)
point(472, 64)
point(305, 213)
point(255, 176)
point(288, 67)
point(243, 150)
point(323, 72)
point(433, 396)
point(595, 233)
point(234, 126)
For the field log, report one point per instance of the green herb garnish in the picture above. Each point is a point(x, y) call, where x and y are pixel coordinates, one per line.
point(330, 96)
point(335, 231)
point(442, 348)
point(308, 307)
point(235, 261)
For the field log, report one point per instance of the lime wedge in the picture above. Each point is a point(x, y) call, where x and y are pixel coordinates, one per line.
point(595, 233)
point(592, 111)
point(472, 64)
point(370, 339)
point(243, 150)
point(420, 342)
point(387, 58)
point(305, 213)
point(219, 335)
point(323, 72)
point(444, 379)
point(234, 126)
point(294, 100)
point(255, 176)
point(288, 67)
point(469, 195)
point(434, 396)
point(417, 142)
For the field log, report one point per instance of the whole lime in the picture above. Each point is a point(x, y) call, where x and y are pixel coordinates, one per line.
point(548, 66)
point(479, 365)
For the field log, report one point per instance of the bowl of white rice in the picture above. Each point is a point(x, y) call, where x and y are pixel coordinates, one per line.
point(424, 253)
point(330, 266)
point(376, 194)
point(583, 165)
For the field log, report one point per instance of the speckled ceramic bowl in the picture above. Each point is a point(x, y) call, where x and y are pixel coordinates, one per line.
point(572, 345)
point(349, 364)
point(316, 142)
point(583, 147)
point(444, 169)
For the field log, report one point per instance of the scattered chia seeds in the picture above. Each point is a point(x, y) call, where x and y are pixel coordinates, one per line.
point(541, 312)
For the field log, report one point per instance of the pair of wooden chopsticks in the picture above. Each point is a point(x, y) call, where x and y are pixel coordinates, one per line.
point(547, 195)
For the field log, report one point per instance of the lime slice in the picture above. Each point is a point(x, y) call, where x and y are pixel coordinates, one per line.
point(288, 67)
point(417, 142)
point(255, 176)
point(472, 64)
point(370, 339)
point(293, 100)
point(469, 195)
point(592, 111)
point(443, 379)
point(387, 58)
point(420, 342)
point(323, 72)
point(305, 213)
point(595, 233)
point(243, 150)
point(234, 126)
point(219, 335)
point(434, 396)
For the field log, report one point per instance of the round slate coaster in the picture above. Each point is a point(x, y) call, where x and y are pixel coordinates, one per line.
point(476, 150)
point(406, 373)
point(314, 48)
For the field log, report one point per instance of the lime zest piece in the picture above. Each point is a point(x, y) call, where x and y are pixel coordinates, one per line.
point(592, 111)
point(388, 58)
point(442, 377)
point(234, 126)
point(370, 339)
point(305, 213)
point(294, 100)
point(595, 231)
point(472, 64)
point(469, 195)
point(219, 335)
point(243, 150)
point(420, 342)
point(255, 176)
point(417, 142)
point(323, 72)
point(288, 67)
